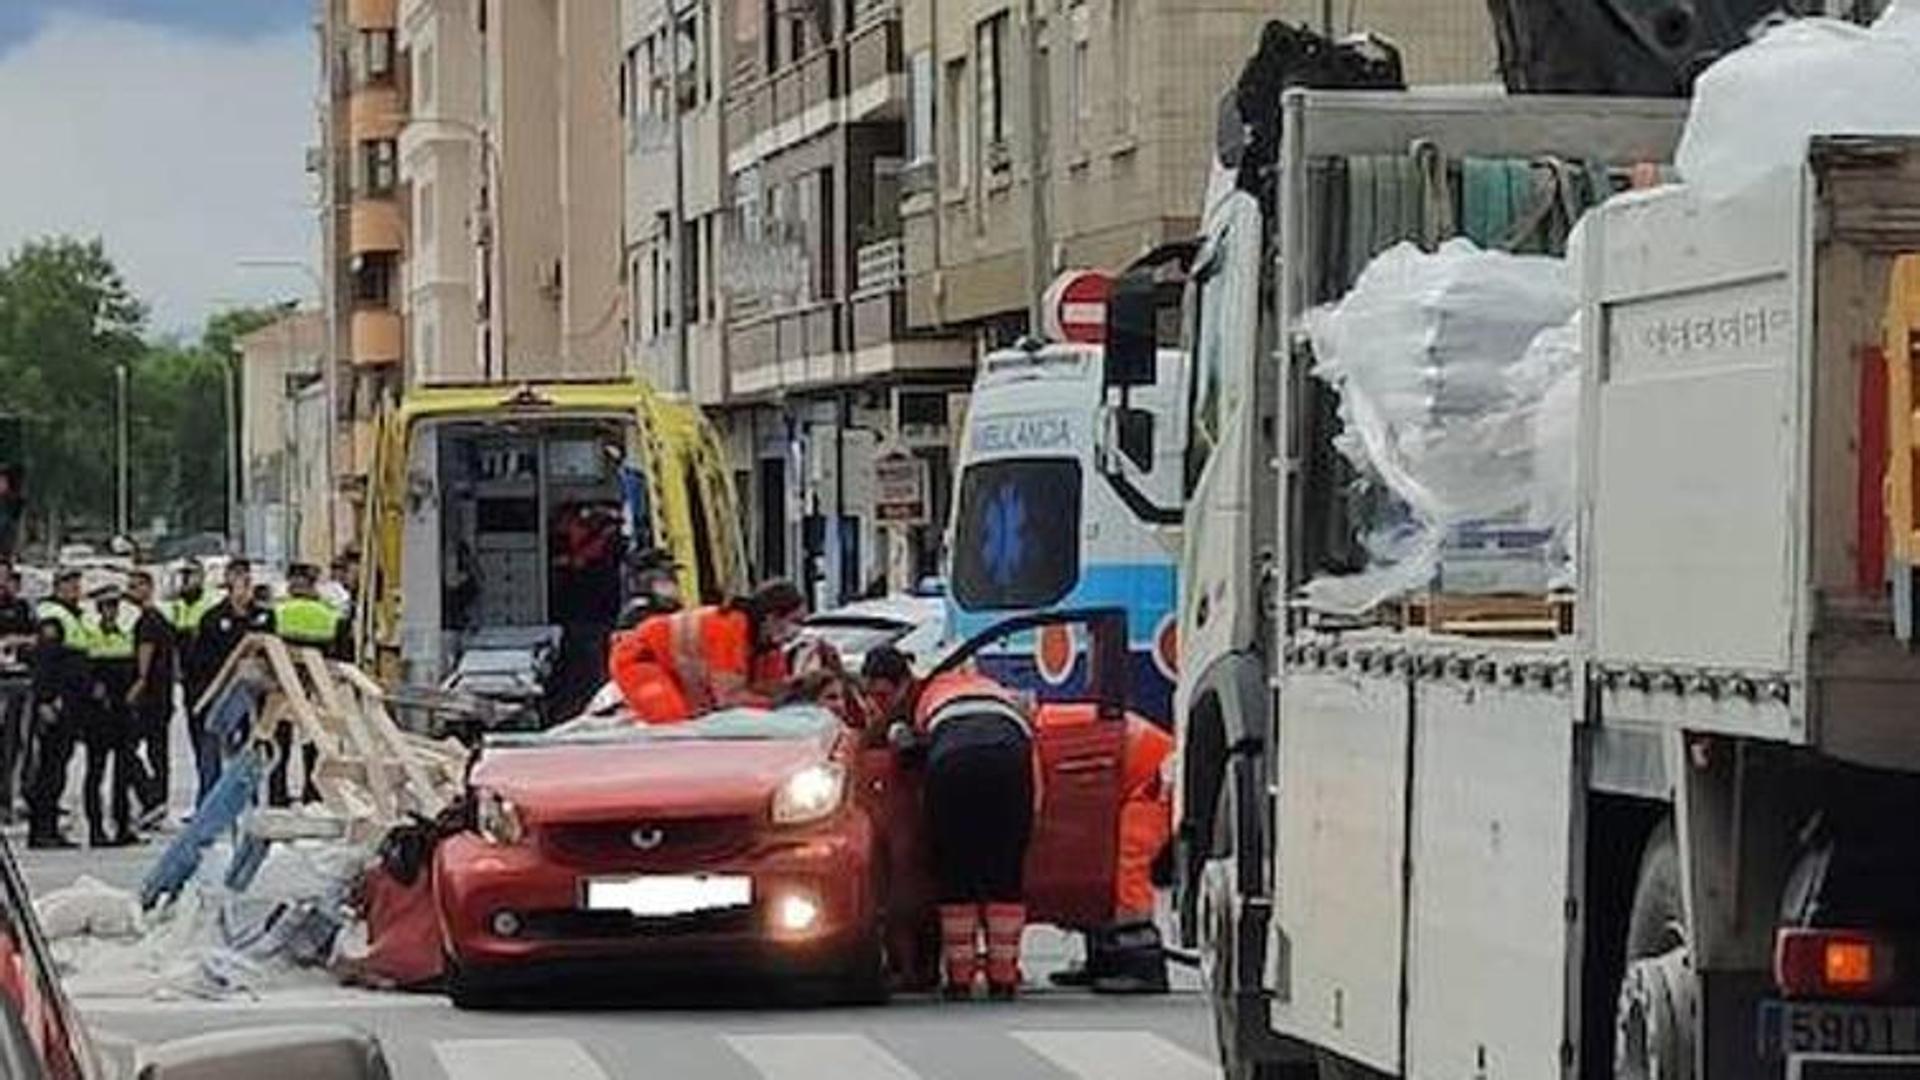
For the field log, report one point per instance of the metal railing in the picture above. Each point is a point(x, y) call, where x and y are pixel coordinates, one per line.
point(880, 265)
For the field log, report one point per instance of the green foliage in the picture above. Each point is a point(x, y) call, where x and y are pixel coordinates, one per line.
point(67, 321)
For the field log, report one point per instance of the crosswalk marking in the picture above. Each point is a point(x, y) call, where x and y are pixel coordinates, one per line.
point(818, 1057)
point(1118, 1055)
point(516, 1059)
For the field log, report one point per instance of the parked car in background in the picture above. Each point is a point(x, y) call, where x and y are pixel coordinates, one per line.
point(42, 1037)
point(916, 625)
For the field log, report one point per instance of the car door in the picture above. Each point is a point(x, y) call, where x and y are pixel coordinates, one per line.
point(40, 1037)
point(889, 791)
point(1072, 858)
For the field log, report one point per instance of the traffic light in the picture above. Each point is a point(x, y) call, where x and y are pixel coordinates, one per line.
point(13, 477)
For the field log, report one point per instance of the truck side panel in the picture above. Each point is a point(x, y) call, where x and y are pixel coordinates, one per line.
point(1492, 841)
point(1337, 934)
point(1692, 492)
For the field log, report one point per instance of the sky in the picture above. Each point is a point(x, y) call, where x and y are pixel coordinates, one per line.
point(176, 131)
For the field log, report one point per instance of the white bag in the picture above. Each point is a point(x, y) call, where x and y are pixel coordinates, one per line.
point(1754, 110)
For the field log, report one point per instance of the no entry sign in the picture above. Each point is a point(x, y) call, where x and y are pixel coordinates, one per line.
point(1075, 307)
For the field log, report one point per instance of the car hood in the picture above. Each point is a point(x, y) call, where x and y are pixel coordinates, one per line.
point(669, 778)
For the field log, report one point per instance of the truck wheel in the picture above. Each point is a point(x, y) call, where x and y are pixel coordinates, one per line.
point(1218, 888)
point(1655, 1017)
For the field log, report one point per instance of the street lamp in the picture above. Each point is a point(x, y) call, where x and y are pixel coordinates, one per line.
point(497, 228)
point(329, 374)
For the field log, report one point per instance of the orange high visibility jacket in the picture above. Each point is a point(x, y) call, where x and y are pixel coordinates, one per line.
point(684, 664)
point(963, 692)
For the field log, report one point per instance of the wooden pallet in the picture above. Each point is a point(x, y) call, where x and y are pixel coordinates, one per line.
point(1528, 617)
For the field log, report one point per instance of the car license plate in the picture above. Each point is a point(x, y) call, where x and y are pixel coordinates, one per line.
point(1793, 1028)
point(658, 895)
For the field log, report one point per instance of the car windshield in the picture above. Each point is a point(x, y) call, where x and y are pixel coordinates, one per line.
point(854, 635)
point(796, 723)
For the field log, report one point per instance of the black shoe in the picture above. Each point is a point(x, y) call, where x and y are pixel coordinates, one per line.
point(1074, 977)
point(51, 842)
point(125, 838)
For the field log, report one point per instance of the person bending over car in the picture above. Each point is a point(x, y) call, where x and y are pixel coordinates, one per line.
point(980, 796)
point(674, 667)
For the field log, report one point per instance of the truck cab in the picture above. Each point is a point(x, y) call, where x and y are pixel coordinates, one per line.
point(501, 519)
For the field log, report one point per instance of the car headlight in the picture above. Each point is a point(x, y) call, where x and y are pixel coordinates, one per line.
point(497, 819)
point(810, 794)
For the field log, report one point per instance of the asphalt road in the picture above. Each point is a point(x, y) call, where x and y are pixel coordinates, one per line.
point(1048, 1035)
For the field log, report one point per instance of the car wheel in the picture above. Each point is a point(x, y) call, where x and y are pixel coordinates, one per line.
point(469, 990)
point(1655, 1017)
point(1218, 888)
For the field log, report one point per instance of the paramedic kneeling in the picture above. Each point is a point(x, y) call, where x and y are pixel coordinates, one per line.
point(675, 667)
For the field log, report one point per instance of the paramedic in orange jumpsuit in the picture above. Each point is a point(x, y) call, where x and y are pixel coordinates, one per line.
point(686, 664)
point(1126, 956)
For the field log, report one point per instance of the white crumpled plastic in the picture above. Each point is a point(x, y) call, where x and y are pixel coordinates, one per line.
point(1754, 110)
point(1442, 401)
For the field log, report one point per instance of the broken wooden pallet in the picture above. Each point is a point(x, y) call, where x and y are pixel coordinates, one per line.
point(1492, 616)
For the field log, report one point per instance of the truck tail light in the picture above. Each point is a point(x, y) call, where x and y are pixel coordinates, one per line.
point(1831, 963)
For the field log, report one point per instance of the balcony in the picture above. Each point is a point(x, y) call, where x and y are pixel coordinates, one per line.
point(375, 111)
point(880, 266)
point(373, 14)
point(373, 225)
point(876, 87)
point(376, 337)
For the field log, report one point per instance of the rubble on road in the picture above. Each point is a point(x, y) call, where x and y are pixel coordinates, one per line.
point(248, 899)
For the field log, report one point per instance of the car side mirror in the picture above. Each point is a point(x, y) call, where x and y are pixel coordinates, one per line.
point(1133, 433)
point(316, 1052)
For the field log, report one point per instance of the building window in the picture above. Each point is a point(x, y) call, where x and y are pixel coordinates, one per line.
point(958, 151)
point(990, 40)
point(379, 167)
point(707, 290)
point(373, 279)
point(657, 76)
point(825, 258)
point(1123, 104)
point(423, 77)
point(688, 56)
point(920, 107)
point(373, 56)
point(690, 281)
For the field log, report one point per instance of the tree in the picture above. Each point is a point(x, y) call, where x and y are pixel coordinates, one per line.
point(67, 320)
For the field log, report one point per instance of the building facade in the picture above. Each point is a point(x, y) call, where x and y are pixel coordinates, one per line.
point(364, 236)
point(1120, 98)
point(444, 157)
point(283, 468)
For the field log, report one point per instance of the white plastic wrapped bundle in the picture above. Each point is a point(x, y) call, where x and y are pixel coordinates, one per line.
point(1754, 110)
point(1443, 402)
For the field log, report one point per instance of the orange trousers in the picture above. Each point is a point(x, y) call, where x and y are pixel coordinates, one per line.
point(1146, 817)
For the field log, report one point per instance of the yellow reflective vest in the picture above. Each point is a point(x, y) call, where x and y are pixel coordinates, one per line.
point(303, 620)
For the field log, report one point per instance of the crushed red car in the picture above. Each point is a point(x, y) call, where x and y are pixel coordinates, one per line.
point(783, 842)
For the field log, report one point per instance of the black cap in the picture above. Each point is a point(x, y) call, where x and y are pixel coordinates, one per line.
point(66, 574)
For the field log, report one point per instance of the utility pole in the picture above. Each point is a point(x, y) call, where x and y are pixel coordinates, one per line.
point(122, 491)
point(1326, 17)
point(1039, 237)
point(682, 364)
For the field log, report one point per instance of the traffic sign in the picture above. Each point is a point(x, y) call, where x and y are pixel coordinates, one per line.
point(900, 489)
point(1075, 307)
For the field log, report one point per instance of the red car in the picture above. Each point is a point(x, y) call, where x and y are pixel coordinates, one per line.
point(783, 842)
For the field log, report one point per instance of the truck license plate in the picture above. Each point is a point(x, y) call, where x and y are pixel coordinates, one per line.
point(1793, 1028)
point(658, 895)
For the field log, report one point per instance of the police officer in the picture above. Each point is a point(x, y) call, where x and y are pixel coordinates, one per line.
point(156, 646)
point(303, 619)
point(191, 601)
point(16, 636)
point(107, 727)
point(62, 683)
point(220, 631)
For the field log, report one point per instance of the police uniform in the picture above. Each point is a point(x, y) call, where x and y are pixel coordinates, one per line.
point(61, 686)
point(107, 728)
point(219, 632)
point(310, 622)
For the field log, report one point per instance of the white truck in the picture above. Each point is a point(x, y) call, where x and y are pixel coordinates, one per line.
point(1672, 838)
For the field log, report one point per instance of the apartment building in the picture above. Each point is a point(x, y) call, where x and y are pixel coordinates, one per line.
point(823, 372)
point(283, 487)
point(511, 170)
point(364, 234)
point(1128, 93)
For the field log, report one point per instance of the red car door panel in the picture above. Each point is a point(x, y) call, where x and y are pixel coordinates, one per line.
point(1070, 864)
